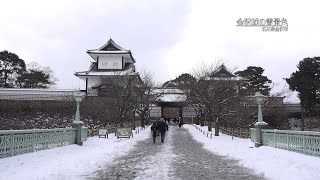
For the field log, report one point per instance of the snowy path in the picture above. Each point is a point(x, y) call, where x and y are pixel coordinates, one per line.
point(194, 162)
point(179, 157)
point(146, 161)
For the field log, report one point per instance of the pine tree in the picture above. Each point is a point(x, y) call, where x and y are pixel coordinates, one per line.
point(11, 66)
point(256, 81)
point(306, 81)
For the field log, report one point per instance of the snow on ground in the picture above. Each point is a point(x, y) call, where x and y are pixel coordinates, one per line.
point(68, 162)
point(75, 162)
point(274, 163)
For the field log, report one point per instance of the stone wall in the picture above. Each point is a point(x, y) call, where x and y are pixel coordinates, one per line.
point(95, 112)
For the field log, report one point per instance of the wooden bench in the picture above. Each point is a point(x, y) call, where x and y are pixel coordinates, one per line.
point(103, 133)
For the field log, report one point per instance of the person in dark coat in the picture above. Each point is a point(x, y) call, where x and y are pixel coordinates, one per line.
point(175, 120)
point(180, 122)
point(163, 127)
point(154, 129)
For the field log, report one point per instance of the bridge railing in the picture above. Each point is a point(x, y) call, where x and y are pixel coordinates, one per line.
point(237, 132)
point(306, 142)
point(15, 142)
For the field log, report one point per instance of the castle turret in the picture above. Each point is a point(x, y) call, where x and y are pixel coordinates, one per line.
point(109, 60)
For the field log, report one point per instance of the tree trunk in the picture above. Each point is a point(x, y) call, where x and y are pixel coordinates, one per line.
point(210, 120)
point(209, 125)
point(302, 121)
point(197, 120)
point(216, 127)
point(134, 122)
point(308, 122)
point(142, 121)
point(201, 121)
point(121, 122)
point(5, 79)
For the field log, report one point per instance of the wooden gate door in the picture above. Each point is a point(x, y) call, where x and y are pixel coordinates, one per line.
point(171, 112)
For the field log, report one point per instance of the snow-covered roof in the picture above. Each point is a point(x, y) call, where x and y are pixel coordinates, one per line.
point(170, 94)
point(103, 73)
point(169, 90)
point(39, 94)
point(110, 48)
point(108, 52)
point(237, 78)
point(173, 98)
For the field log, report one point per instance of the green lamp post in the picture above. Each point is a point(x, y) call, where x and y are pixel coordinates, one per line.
point(78, 96)
point(260, 124)
point(77, 123)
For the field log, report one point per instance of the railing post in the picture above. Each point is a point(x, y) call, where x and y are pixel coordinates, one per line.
point(12, 144)
point(304, 144)
point(274, 138)
point(287, 141)
point(33, 140)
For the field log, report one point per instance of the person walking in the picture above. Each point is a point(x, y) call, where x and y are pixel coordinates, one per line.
point(163, 127)
point(175, 120)
point(180, 122)
point(154, 129)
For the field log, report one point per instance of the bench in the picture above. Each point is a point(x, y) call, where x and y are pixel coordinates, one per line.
point(124, 133)
point(103, 133)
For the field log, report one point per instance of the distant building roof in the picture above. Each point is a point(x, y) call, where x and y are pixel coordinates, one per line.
point(110, 48)
point(222, 72)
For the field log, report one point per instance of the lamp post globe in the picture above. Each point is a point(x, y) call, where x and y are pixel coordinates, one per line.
point(259, 97)
point(78, 96)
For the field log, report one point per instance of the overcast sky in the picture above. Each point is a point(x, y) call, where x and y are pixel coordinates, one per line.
point(167, 37)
